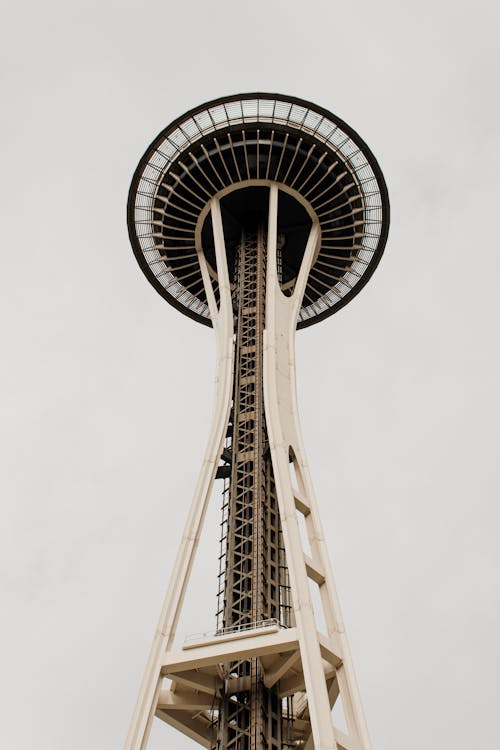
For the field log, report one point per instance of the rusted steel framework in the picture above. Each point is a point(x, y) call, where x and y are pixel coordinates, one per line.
point(255, 586)
point(257, 214)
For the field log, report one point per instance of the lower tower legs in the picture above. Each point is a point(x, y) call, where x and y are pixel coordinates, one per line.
point(235, 687)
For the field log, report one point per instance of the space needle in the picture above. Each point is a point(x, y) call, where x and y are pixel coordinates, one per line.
point(256, 214)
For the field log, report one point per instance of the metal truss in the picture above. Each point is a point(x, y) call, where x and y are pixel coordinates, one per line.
point(268, 677)
point(255, 573)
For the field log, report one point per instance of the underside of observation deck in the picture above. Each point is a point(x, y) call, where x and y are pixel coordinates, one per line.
point(316, 160)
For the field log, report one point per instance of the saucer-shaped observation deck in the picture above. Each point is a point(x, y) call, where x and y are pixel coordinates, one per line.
point(235, 148)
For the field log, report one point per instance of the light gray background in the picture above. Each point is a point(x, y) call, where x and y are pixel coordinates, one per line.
point(107, 390)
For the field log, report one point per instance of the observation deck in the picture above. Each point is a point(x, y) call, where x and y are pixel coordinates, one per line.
point(234, 149)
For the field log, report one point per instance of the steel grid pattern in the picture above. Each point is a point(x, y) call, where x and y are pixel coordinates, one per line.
point(267, 138)
point(254, 578)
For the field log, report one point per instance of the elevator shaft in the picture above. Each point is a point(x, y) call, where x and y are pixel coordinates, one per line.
point(255, 575)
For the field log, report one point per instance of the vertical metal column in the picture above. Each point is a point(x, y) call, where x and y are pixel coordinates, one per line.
point(255, 574)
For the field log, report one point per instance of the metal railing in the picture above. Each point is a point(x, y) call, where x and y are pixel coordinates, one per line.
point(271, 623)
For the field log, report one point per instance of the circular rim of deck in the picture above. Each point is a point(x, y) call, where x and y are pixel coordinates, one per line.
point(315, 120)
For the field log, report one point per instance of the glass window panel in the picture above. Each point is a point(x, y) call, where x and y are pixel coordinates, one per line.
point(168, 149)
point(297, 114)
point(218, 115)
point(281, 111)
point(203, 121)
point(190, 128)
point(178, 138)
point(249, 108)
point(234, 111)
point(266, 107)
point(312, 120)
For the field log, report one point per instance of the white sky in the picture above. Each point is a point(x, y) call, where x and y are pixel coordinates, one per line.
point(107, 389)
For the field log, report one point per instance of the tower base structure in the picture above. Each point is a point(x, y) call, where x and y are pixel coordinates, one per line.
point(305, 666)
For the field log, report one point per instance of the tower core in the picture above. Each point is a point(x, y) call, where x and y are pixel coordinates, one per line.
point(257, 214)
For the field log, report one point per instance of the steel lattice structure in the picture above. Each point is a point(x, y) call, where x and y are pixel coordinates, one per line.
point(257, 214)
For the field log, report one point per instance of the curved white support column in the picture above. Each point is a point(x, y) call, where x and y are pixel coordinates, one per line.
point(222, 320)
point(298, 659)
point(284, 434)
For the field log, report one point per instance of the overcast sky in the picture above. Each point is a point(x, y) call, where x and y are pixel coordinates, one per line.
point(107, 389)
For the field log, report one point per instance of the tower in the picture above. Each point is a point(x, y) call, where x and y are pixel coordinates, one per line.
point(257, 214)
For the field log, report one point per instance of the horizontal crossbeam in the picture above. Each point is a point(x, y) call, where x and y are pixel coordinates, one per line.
point(215, 652)
point(184, 700)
